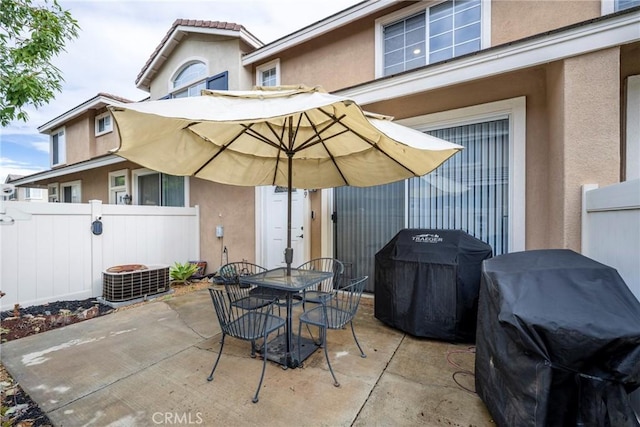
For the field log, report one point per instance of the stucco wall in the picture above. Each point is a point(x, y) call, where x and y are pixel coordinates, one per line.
point(591, 137)
point(512, 20)
point(78, 136)
point(219, 54)
point(344, 58)
point(233, 208)
point(102, 144)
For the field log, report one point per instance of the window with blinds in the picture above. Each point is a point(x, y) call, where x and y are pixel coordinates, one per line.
point(468, 192)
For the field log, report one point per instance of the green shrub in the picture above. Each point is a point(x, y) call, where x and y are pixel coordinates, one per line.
point(180, 273)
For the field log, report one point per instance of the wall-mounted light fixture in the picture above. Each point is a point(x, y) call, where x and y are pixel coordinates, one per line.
point(126, 199)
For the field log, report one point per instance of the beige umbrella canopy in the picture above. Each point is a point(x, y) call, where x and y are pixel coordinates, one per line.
point(294, 137)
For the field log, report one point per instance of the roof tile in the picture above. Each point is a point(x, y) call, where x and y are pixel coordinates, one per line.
point(188, 23)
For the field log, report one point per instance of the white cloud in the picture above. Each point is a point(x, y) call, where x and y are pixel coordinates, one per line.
point(12, 167)
point(41, 146)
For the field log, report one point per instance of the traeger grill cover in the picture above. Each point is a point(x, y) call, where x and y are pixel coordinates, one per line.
point(427, 283)
point(558, 341)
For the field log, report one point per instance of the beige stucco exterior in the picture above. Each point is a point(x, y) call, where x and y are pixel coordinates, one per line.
point(574, 117)
point(514, 20)
point(220, 54)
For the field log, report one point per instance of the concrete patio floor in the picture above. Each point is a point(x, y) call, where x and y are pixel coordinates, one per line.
point(148, 365)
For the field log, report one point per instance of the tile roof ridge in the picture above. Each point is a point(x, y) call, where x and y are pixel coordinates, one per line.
point(196, 23)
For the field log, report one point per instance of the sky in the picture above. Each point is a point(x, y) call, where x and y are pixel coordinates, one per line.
point(115, 40)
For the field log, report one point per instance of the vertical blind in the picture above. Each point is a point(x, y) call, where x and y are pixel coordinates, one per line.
point(470, 191)
point(367, 218)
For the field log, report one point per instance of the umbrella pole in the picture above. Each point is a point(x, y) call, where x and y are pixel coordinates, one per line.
point(288, 252)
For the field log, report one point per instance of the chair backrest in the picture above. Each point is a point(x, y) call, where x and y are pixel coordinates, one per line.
point(345, 305)
point(237, 322)
point(331, 265)
point(231, 273)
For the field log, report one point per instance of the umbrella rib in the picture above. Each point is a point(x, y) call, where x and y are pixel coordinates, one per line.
point(322, 140)
point(372, 144)
point(279, 146)
point(222, 148)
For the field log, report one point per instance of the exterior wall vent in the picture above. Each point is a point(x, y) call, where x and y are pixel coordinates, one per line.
point(127, 282)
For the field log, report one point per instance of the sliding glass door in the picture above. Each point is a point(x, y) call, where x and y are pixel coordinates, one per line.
point(468, 192)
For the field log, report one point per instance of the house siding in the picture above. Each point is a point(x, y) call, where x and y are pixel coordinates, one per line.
point(219, 54)
point(342, 58)
point(591, 137)
point(514, 20)
point(232, 207)
point(79, 135)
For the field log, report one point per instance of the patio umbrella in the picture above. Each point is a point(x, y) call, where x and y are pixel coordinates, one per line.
point(289, 136)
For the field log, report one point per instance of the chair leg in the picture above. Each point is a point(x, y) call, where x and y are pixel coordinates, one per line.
point(264, 367)
point(299, 343)
point(215, 365)
point(356, 339)
point(326, 355)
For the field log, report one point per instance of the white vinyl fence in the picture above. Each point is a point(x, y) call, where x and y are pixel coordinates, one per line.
point(611, 228)
point(49, 253)
point(611, 235)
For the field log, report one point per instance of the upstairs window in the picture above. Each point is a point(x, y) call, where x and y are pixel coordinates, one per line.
point(268, 74)
point(58, 148)
point(421, 35)
point(625, 4)
point(405, 44)
point(103, 124)
point(193, 73)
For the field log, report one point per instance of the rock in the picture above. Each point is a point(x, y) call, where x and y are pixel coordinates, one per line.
point(89, 313)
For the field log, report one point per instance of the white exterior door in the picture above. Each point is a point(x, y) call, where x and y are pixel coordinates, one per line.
point(274, 226)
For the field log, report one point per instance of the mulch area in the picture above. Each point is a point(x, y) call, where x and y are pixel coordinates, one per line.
point(17, 408)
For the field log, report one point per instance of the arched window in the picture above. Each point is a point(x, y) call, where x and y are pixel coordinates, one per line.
point(193, 71)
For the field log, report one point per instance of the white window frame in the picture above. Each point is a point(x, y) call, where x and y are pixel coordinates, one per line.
point(53, 192)
point(106, 129)
point(144, 171)
point(77, 184)
point(632, 134)
point(266, 67)
point(608, 6)
point(380, 23)
point(186, 86)
point(62, 147)
point(114, 190)
point(31, 193)
point(515, 109)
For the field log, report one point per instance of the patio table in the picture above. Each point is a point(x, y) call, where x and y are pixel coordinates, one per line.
point(283, 348)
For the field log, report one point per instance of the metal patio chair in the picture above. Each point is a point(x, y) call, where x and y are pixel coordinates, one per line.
point(240, 294)
point(335, 313)
point(245, 294)
point(248, 325)
point(327, 288)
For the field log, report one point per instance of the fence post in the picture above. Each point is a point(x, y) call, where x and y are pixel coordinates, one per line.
point(96, 250)
point(585, 230)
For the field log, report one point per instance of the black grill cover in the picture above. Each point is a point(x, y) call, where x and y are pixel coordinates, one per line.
point(558, 341)
point(427, 283)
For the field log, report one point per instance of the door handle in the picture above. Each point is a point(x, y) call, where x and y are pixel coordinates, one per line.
point(300, 236)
